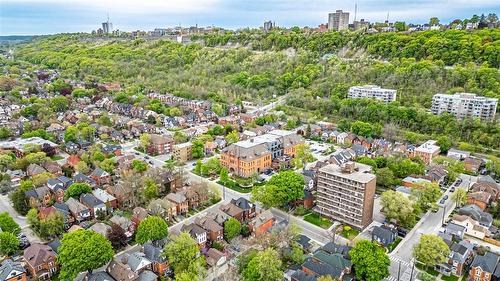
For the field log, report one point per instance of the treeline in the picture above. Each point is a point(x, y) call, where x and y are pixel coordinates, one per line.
point(449, 46)
point(394, 120)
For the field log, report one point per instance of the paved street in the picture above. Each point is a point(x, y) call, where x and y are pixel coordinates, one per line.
point(430, 223)
point(5, 206)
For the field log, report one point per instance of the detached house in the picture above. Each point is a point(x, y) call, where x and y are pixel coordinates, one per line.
point(58, 186)
point(472, 227)
point(159, 263)
point(214, 230)
point(483, 267)
point(100, 176)
point(384, 235)
point(473, 211)
point(180, 201)
point(247, 207)
point(95, 205)
point(108, 199)
point(12, 271)
point(461, 255)
point(262, 222)
point(233, 211)
point(79, 211)
point(39, 196)
point(197, 233)
point(40, 261)
point(34, 169)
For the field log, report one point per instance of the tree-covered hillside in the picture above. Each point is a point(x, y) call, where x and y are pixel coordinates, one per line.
point(294, 64)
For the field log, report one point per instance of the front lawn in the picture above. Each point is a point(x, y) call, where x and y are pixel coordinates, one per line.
point(316, 219)
point(349, 233)
point(56, 157)
point(394, 244)
point(430, 270)
point(234, 186)
point(449, 278)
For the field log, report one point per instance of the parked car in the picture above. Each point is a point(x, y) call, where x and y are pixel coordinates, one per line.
point(23, 241)
point(402, 232)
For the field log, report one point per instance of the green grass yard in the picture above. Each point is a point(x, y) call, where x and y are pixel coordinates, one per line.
point(315, 219)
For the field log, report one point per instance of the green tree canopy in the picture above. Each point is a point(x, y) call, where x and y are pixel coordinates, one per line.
point(431, 250)
point(232, 228)
point(282, 188)
point(9, 244)
point(398, 207)
point(183, 255)
point(83, 250)
point(7, 224)
point(77, 189)
point(150, 229)
point(265, 266)
point(370, 261)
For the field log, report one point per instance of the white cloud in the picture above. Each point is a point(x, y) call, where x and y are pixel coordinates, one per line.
point(129, 6)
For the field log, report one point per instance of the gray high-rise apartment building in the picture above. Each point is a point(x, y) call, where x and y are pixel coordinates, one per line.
point(338, 20)
point(346, 193)
point(107, 27)
point(268, 25)
point(465, 105)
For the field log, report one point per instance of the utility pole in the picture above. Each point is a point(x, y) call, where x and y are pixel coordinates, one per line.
point(399, 269)
point(412, 267)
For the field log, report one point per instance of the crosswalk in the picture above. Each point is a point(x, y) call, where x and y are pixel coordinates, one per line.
point(406, 270)
point(398, 260)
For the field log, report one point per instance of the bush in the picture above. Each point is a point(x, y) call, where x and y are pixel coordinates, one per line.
point(300, 210)
point(217, 246)
point(424, 276)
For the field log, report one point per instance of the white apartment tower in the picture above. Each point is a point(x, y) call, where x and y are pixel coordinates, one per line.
point(372, 92)
point(338, 20)
point(465, 105)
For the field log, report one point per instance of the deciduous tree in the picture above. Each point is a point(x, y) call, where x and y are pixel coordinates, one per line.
point(183, 255)
point(282, 188)
point(7, 224)
point(83, 250)
point(265, 266)
point(151, 228)
point(9, 244)
point(459, 196)
point(431, 250)
point(232, 228)
point(77, 189)
point(398, 207)
point(370, 261)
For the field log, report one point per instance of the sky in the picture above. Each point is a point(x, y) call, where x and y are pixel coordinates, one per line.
point(37, 17)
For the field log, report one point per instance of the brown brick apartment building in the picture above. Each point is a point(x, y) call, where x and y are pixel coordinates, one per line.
point(255, 155)
point(346, 193)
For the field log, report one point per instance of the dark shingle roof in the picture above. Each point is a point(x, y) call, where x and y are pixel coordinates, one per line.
point(487, 263)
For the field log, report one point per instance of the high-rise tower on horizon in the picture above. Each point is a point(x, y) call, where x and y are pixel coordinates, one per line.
point(338, 20)
point(107, 27)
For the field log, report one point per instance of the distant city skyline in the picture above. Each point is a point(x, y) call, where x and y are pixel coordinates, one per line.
point(37, 17)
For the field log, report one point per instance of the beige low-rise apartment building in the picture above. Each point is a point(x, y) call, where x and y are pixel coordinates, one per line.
point(346, 193)
point(183, 152)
